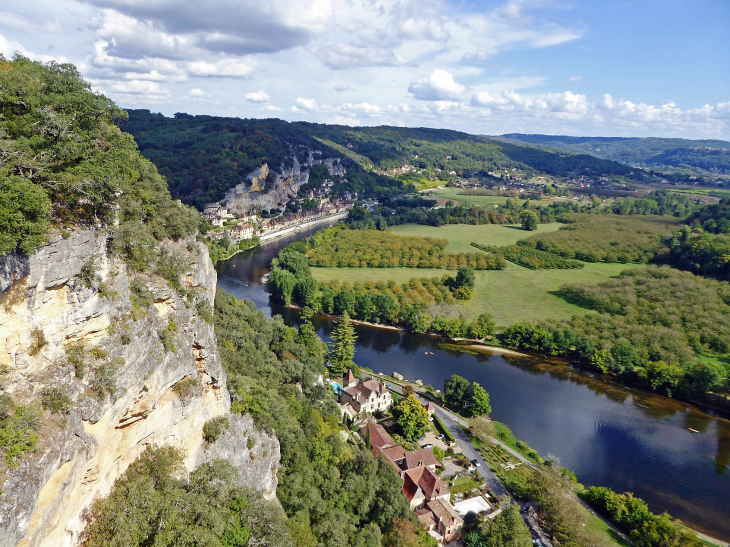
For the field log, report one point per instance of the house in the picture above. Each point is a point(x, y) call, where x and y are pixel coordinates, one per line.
point(430, 409)
point(427, 494)
point(442, 522)
point(367, 396)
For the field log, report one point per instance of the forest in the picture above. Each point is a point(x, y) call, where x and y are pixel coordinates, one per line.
point(333, 492)
point(204, 156)
point(530, 257)
point(702, 157)
point(606, 238)
point(65, 163)
point(341, 247)
point(661, 328)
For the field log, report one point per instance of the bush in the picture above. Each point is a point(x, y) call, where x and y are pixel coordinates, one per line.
point(139, 294)
point(187, 388)
point(214, 428)
point(166, 336)
point(24, 209)
point(19, 425)
point(38, 340)
point(56, 400)
point(76, 355)
point(105, 378)
point(205, 311)
point(89, 273)
point(171, 266)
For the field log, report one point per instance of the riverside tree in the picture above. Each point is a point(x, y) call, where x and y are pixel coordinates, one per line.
point(456, 391)
point(479, 401)
point(343, 349)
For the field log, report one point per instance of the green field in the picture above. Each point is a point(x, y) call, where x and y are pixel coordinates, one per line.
point(456, 195)
point(512, 295)
point(460, 236)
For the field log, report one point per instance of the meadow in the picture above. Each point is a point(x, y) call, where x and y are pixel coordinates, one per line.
point(460, 236)
point(512, 295)
point(456, 195)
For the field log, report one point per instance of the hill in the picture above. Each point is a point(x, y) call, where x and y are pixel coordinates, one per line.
point(708, 158)
point(204, 156)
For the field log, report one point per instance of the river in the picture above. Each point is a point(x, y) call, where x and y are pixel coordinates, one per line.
point(609, 434)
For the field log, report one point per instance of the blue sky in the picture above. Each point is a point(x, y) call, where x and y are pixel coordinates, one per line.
point(636, 68)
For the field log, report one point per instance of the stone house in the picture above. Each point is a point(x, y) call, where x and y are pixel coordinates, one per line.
point(367, 396)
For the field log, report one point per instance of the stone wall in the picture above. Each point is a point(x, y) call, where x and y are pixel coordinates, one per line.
point(81, 454)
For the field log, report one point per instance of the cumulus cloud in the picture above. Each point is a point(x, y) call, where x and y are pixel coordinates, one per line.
point(305, 105)
point(439, 86)
point(223, 68)
point(575, 79)
point(257, 97)
point(197, 92)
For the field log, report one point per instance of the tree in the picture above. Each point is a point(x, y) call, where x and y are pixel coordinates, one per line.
point(456, 391)
point(282, 283)
point(411, 417)
point(465, 277)
point(529, 220)
point(482, 326)
point(343, 349)
point(479, 401)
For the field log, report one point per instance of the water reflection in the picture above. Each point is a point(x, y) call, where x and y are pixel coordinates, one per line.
point(607, 433)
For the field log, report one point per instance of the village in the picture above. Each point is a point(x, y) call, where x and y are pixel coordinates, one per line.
point(442, 485)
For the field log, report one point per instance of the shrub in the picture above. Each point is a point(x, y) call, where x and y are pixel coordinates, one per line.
point(171, 265)
point(249, 443)
point(139, 294)
point(19, 425)
point(105, 378)
point(205, 311)
point(38, 340)
point(214, 428)
point(56, 400)
point(187, 388)
point(24, 209)
point(166, 336)
point(76, 355)
point(89, 273)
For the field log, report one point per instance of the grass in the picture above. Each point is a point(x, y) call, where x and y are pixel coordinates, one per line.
point(460, 236)
point(511, 295)
point(456, 195)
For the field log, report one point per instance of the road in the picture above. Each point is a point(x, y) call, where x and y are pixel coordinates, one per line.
point(451, 422)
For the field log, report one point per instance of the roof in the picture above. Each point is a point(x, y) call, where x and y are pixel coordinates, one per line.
point(444, 512)
point(379, 438)
point(426, 517)
point(349, 377)
point(425, 479)
point(420, 458)
point(361, 391)
point(394, 453)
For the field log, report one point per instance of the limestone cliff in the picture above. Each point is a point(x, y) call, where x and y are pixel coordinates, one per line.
point(161, 397)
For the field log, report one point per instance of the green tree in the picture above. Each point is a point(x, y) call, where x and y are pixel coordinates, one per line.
point(411, 417)
point(479, 401)
point(282, 284)
point(482, 326)
point(529, 220)
point(456, 391)
point(343, 349)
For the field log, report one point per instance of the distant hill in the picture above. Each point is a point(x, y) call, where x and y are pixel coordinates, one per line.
point(203, 156)
point(701, 157)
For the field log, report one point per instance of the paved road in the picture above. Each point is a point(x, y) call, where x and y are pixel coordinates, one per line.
point(450, 422)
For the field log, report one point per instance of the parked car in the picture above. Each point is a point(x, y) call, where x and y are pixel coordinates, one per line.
point(476, 463)
point(427, 445)
point(439, 437)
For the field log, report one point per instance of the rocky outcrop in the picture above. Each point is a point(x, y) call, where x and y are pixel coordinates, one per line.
point(161, 396)
point(252, 195)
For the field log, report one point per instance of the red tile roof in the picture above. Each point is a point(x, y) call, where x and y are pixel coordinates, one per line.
point(420, 458)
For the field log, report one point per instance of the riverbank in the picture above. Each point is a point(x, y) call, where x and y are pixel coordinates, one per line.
point(473, 345)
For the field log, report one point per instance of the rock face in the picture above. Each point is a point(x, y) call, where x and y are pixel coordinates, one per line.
point(161, 396)
point(251, 196)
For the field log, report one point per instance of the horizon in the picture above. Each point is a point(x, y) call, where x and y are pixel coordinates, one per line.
point(563, 67)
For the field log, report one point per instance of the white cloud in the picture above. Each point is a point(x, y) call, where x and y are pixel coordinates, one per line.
point(257, 97)
point(575, 79)
point(305, 105)
point(223, 68)
point(439, 86)
point(197, 92)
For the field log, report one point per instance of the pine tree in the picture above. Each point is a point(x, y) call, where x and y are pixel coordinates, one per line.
point(343, 349)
